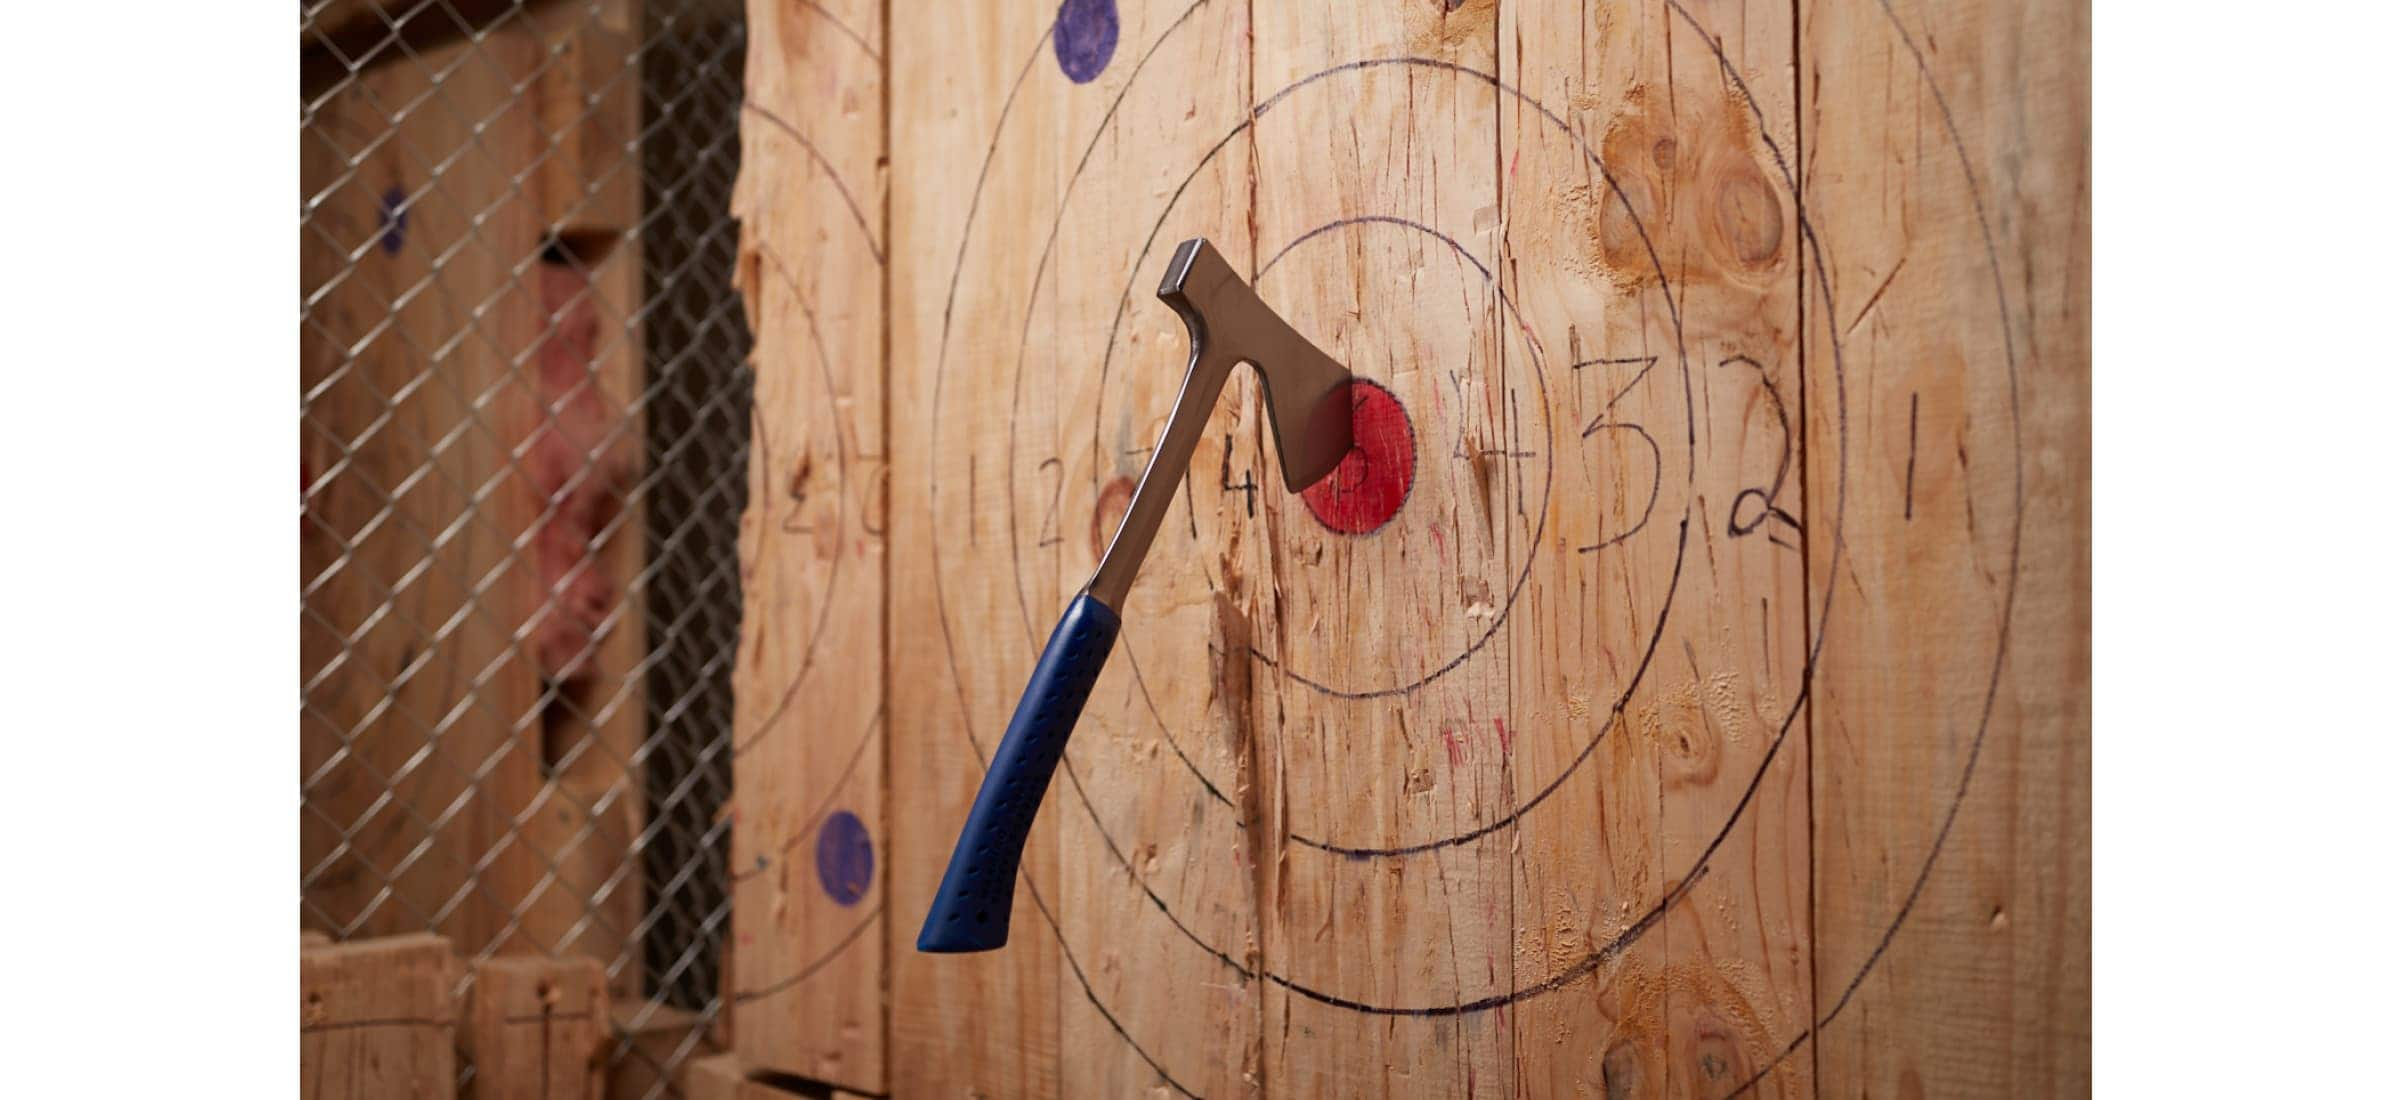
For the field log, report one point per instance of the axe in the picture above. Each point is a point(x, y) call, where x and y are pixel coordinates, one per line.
point(1311, 406)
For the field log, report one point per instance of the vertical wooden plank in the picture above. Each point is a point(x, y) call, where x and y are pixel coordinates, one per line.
point(377, 1019)
point(1155, 880)
point(537, 1027)
point(972, 170)
point(1381, 718)
point(1585, 628)
point(808, 852)
point(1649, 240)
point(1947, 176)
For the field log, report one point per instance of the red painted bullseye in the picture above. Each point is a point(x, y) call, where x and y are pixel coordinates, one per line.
point(1370, 486)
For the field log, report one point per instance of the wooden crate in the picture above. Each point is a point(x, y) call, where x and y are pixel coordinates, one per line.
point(1709, 714)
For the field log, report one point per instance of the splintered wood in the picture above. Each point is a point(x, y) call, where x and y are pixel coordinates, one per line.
point(1682, 691)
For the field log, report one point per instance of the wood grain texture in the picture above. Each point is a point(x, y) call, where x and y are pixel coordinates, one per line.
point(468, 388)
point(809, 838)
point(1948, 172)
point(377, 1019)
point(975, 1024)
point(1360, 730)
point(1618, 760)
point(1659, 649)
point(537, 1027)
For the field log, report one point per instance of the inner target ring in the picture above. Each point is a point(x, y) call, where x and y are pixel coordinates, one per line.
point(1323, 681)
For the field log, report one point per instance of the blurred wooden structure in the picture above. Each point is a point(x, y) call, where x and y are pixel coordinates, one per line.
point(376, 1019)
point(471, 703)
point(383, 1018)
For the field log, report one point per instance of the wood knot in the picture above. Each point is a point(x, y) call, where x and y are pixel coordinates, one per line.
point(1690, 753)
point(1686, 173)
point(1112, 503)
point(1746, 218)
point(1623, 1075)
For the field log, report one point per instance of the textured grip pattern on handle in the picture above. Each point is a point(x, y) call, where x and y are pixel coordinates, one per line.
point(974, 905)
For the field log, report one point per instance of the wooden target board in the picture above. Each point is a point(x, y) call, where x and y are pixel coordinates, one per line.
point(1682, 689)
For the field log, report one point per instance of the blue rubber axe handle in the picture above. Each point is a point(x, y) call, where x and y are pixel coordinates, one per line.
point(974, 906)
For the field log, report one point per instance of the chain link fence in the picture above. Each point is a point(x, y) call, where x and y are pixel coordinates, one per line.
point(524, 412)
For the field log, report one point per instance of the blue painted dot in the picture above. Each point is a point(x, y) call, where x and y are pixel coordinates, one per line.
point(394, 220)
point(1085, 33)
point(843, 857)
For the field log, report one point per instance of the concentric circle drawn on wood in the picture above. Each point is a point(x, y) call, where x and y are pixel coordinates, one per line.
point(1586, 966)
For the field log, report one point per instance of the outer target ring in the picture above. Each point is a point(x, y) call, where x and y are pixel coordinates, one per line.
point(1810, 236)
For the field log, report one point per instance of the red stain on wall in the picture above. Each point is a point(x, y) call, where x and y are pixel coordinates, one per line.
point(1112, 502)
point(579, 472)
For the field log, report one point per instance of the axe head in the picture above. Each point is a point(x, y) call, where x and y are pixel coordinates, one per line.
point(1310, 396)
